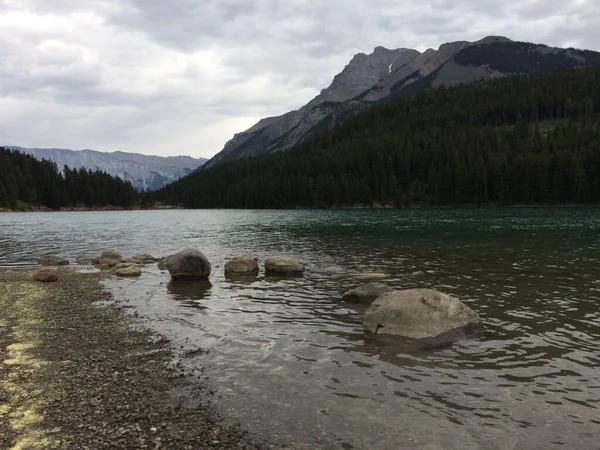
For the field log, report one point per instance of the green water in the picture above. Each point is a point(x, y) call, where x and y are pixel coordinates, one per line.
point(287, 358)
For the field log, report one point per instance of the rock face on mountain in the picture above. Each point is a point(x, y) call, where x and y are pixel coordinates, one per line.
point(276, 133)
point(385, 74)
point(144, 171)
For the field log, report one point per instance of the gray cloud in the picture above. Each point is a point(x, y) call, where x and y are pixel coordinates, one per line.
point(183, 76)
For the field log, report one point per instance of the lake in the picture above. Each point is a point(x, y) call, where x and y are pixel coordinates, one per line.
point(287, 359)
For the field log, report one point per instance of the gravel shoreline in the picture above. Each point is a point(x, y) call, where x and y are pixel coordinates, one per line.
point(77, 375)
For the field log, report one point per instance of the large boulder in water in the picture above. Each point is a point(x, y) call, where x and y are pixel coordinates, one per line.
point(241, 265)
point(367, 293)
point(420, 317)
point(188, 265)
point(53, 260)
point(278, 265)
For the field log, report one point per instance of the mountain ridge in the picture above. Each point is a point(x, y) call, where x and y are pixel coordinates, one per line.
point(385, 74)
point(149, 172)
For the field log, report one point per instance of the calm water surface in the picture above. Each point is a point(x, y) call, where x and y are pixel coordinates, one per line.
point(287, 358)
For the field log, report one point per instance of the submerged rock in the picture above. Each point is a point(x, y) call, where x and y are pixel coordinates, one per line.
point(145, 258)
point(53, 260)
point(420, 317)
point(367, 293)
point(241, 265)
point(85, 260)
point(125, 264)
point(129, 271)
point(188, 264)
point(46, 275)
point(283, 266)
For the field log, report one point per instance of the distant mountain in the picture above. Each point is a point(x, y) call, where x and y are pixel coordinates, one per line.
point(144, 171)
point(387, 74)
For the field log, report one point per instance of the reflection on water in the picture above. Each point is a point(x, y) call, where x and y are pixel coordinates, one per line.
point(188, 292)
point(288, 358)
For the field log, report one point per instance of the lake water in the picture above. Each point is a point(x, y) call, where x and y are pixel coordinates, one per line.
point(287, 358)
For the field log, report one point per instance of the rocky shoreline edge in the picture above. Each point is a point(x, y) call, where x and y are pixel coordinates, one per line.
point(75, 374)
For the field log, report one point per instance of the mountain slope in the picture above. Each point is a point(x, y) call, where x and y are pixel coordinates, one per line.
point(526, 139)
point(143, 171)
point(387, 74)
point(362, 72)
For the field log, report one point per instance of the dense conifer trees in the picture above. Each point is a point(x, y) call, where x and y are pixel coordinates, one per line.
point(531, 139)
point(26, 181)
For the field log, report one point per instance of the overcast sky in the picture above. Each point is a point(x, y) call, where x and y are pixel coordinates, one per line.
point(182, 76)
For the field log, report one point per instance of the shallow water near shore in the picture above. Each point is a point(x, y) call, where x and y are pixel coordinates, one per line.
point(287, 358)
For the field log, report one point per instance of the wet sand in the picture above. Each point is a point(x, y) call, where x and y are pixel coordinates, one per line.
point(75, 374)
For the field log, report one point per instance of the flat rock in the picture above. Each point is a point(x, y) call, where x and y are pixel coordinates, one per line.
point(241, 265)
point(145, 258)
point(53, 260)
point(46, 275)
point(283, 266)
point(367, 293)
point(188, 264)
point(129, 271)
point(420, 317)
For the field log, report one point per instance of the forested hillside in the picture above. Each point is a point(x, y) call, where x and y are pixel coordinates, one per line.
point(530, 139)
point(25, 181)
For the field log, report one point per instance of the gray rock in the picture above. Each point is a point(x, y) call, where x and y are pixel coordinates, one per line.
point(420, 317)
point(242, 265)
point(188, 264)
point(283, 266)
point(145, 258)
point(162, 263)
point(129, 271)
point(85, 260)
point(110, 258)
point(53, 260)
point(111, 254)
point(46, 275)
point(367, 293)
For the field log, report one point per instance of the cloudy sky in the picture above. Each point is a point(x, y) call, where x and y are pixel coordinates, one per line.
point(182, 76)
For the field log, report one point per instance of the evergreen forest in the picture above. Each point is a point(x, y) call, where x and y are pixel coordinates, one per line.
point(524, 139)
point(26, 182)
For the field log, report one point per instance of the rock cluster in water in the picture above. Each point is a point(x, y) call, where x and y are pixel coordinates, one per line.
point(421, 318)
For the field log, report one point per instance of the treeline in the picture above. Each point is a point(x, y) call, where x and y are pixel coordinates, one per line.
point(523, 139)
point(25, 181)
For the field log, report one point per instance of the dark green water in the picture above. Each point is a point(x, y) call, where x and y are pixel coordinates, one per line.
point(287, 358)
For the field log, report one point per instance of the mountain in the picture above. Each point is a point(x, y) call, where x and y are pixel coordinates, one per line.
point(387, 74)
point(525, 139)
point(143, 171)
